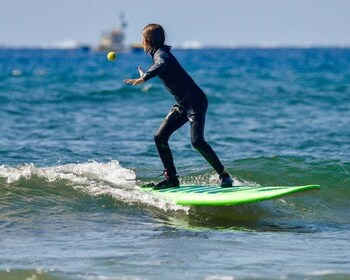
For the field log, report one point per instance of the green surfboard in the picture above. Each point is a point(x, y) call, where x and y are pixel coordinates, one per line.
point(216, 196)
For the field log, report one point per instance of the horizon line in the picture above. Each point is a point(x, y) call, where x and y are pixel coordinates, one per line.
point(185, 45)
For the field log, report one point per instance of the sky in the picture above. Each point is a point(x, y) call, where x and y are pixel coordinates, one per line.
point(32, 23)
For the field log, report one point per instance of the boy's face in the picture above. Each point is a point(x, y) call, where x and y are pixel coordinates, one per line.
point(144, 43)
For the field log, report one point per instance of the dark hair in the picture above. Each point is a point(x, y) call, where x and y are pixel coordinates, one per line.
point(154, 36)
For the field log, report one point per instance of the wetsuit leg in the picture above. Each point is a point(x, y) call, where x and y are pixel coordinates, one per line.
point(197, 120)
point(173, 121)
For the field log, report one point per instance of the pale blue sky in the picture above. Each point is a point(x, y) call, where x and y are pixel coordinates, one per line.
point(219, 22)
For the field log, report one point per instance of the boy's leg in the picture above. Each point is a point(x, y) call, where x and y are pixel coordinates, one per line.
point(197, 137)
point(197, 121)
point(173, 121)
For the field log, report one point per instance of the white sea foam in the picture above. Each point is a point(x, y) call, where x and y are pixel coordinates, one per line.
point(95, 179)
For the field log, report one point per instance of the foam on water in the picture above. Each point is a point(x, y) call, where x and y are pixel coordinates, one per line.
point(95, 179)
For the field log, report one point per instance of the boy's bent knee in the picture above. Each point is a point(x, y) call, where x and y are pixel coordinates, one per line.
point(199, 144)
point(160, 141)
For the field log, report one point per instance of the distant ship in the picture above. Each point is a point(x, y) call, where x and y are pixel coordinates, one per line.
point(114, 40)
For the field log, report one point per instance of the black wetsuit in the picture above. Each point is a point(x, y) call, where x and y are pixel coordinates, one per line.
point(191, 106)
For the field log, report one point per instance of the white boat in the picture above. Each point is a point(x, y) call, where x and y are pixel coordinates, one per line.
point(114, 39)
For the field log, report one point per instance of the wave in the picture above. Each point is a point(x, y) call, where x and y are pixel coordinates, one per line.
point(76, 180)
point(57, 185)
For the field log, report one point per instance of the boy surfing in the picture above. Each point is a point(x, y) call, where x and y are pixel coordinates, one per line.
point(191, 105)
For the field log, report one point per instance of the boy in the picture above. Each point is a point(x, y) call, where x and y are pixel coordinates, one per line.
point(191, 106)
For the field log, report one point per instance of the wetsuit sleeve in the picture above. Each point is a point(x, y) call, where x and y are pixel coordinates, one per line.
point(159, 64)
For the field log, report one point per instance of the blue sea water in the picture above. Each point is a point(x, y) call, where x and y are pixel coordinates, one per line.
point(75, 142)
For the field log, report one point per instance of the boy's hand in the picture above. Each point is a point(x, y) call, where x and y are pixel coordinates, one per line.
point(140, 71)
point(134, 82)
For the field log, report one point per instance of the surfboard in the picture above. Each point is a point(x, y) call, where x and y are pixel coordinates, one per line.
point(215, 196)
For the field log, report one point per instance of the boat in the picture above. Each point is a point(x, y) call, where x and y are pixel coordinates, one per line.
point(114, 39)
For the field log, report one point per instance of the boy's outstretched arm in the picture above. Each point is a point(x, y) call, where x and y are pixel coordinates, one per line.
point(138, 81)
point(134, 82)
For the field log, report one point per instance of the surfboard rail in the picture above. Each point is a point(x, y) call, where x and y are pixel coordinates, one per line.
point(197, 195)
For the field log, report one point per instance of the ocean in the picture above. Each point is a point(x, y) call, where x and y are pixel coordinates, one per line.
point(76, 142)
